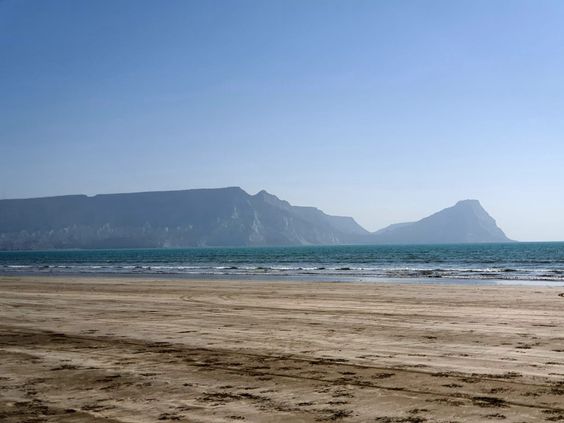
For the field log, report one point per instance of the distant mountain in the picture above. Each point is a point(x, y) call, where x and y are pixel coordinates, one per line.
point(465, 222)
point(216, 217)
point(199, 217)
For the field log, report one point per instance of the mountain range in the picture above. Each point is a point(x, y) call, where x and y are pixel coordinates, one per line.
point(216, 217)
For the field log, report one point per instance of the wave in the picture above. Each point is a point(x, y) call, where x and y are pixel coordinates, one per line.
point(359, 272)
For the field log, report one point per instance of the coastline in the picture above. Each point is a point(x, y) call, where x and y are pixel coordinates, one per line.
point(278, 278)
point(142, 349)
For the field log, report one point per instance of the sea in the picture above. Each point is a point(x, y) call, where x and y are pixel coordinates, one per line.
point(515, 263)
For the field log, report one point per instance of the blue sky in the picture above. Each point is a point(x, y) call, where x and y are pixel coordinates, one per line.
point(382, 110)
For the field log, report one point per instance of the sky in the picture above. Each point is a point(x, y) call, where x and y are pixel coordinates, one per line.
point(386, 111)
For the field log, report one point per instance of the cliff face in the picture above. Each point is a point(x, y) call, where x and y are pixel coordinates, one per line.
point(201, 217)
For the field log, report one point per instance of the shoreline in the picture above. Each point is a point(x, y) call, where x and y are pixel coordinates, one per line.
point(130, 349)
point(266, 278)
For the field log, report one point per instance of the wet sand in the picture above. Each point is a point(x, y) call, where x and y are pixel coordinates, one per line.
point(148, 350)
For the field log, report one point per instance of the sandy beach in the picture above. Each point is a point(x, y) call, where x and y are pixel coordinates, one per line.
point(147, 350)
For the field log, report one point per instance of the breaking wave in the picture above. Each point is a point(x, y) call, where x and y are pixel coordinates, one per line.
point(506, 262)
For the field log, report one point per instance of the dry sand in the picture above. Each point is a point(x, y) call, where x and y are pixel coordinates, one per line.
point(140, 350)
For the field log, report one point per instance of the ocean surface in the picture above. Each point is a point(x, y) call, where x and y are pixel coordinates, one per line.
point(543, 262)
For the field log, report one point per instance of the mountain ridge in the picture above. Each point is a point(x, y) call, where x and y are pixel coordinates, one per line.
point(185, 218)
point(215, 217)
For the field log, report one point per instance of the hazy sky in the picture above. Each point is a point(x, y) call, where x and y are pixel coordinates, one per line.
point(382, 110)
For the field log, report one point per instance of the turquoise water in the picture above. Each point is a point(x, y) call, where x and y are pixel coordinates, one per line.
point(511, 262)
